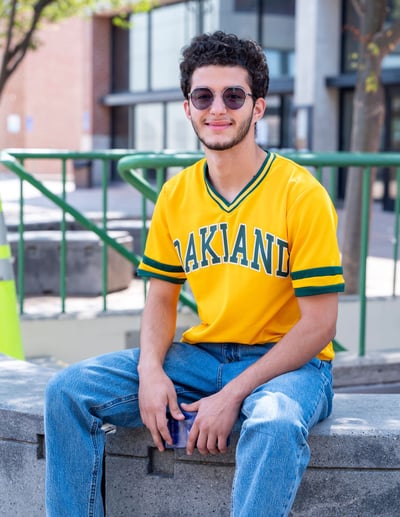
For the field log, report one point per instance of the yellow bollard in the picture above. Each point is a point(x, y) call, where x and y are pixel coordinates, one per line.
point(10, 332)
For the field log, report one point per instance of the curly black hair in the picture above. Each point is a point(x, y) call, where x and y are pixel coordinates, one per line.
point(224, 49)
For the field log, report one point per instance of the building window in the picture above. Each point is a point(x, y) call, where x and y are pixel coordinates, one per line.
point(169, 33)
point(139, 50)
point(280, 7)
point(180, 135)
point(148, 127)
point(119, 59)
point(157, 38)
point(280, 62)
point(120, 127)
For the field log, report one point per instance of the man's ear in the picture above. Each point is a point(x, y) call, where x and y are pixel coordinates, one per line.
point(186, 107)
point(259, 109)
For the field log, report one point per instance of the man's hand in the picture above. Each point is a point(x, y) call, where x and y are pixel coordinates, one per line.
point(156, 393)
point(216, 416)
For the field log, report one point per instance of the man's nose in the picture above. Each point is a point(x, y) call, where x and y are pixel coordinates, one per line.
point(218, 105)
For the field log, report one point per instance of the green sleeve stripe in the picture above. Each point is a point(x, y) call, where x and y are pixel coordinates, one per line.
point(148, 274)
point(163, 267)
point(317, 271)
point(312, 291)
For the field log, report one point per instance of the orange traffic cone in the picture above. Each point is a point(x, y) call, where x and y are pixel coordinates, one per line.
point(10, 332)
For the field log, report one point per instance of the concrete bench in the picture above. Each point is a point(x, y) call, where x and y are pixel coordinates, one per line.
point(354, 469)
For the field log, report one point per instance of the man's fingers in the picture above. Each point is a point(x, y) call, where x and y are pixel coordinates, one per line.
point(194, 406)
point(175, 410)
point(158, 428)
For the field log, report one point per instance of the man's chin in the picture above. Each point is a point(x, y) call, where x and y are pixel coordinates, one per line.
point(218, 146)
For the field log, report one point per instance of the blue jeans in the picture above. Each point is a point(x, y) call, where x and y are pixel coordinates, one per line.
point(272, 452)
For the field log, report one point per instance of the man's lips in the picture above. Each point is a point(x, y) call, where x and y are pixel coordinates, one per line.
point(218, 124)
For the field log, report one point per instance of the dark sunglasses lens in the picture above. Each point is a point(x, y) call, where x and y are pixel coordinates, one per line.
point(202, 98)
point(234, 98)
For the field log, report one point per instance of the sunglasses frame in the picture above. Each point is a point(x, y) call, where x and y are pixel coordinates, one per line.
point(211, 100)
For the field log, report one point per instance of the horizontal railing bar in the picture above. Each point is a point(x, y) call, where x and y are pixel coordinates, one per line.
point(339, 158)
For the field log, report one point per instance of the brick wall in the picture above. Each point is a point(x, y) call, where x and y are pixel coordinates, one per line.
point(55, 92)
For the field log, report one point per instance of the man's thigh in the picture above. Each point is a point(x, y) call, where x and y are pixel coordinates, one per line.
point(305, 394)
point(109, 383)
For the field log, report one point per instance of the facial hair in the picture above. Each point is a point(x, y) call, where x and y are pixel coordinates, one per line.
point(242, 132)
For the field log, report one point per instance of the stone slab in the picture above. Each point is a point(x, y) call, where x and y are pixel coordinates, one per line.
point(83, 262)
point(348, 493)
point(22, 386)
point(22, 474)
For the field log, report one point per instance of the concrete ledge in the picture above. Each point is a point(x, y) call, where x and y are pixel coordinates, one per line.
point(354, 469)
point(378, 372)
point(22, 466)
point(84, 257)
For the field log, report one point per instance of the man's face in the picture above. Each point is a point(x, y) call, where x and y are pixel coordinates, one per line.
point(217, 126)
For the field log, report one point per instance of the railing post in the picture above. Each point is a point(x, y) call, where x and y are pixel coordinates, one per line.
point(104, 261)
point(366, 188)
point(63, 248)
point(21, 249)
point(396, 231)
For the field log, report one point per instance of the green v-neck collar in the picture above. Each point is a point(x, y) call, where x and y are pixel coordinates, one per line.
point(246, 191)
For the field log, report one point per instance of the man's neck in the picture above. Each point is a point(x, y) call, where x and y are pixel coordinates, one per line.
point(231, 170)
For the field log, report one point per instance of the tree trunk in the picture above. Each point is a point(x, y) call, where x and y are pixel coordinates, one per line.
point(368, 117)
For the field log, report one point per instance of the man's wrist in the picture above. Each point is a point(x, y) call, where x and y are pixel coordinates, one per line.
point(149, 365)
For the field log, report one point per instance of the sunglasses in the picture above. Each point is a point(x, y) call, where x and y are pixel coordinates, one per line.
point(234, 97)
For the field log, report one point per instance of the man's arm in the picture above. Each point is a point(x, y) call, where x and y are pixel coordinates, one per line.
point(218, 413)
point(156, 390)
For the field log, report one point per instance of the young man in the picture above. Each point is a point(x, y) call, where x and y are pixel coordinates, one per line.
point(254, 234)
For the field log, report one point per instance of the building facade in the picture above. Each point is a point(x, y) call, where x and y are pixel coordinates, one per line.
point(93, 85)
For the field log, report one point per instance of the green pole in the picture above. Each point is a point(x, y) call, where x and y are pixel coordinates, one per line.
point(366, 187)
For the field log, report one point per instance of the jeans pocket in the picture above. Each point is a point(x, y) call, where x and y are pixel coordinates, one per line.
point(317, 363)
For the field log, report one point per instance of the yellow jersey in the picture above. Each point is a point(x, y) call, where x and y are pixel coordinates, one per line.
point(248, 260)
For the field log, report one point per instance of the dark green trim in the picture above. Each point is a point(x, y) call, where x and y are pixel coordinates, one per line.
point(324, 289)
point(159, 265)
point(147, 274)
point(317, 271)
point(337, 347)
point(247, 190)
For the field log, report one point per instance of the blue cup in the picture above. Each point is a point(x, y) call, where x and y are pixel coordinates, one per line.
point(179, 429)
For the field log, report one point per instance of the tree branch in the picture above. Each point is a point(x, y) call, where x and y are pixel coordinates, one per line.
point(389, 38)
point(358, 7)
point(13, 56)
point(3, 71)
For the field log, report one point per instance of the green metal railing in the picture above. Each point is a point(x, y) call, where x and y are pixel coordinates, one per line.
point(14, 160)
point(128, 168)
point(133, 169)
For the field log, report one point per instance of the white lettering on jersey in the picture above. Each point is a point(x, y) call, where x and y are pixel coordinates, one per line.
point(262, 251)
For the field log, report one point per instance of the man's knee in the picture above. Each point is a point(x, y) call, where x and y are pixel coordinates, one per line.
point(62, 385)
